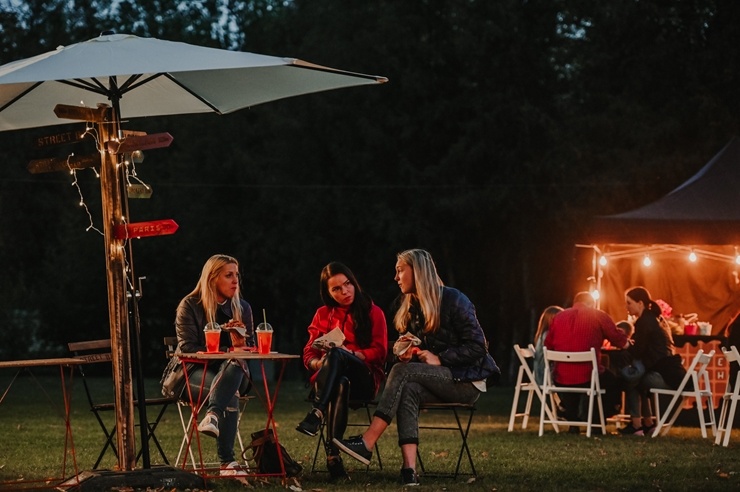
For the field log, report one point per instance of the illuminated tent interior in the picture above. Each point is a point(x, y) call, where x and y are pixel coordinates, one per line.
point(690, 238)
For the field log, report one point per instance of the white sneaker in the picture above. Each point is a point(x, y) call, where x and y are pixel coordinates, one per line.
point(233, 469)
point(209, 425)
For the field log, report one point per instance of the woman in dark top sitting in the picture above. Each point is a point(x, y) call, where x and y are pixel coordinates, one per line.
point(653, 346)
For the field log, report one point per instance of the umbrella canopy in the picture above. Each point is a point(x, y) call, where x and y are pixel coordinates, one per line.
point(150, 77)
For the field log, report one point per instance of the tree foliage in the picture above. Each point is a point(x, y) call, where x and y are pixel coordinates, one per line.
point(504, 125)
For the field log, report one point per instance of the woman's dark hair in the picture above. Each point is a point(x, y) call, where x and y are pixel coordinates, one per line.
point(640, 294)
point(360, 308)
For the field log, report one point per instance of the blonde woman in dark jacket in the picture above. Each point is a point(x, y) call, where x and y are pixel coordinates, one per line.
point(451, 364)
point(216, 299)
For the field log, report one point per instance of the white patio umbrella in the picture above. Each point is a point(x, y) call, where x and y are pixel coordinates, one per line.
point(151, 77)
point(137, 77)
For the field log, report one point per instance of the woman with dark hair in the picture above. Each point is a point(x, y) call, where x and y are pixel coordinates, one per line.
point(353, 368)
point(653, 346)
point(450, 364)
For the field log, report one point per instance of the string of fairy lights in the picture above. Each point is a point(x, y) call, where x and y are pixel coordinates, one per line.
point(647, 256)
point(129, 162)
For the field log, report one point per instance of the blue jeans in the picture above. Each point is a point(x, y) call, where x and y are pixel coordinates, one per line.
point(411, 384)
point(226, 381)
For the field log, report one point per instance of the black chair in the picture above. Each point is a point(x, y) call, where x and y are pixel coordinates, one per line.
point(463, 414)
point(353, 405)
point(99, 351)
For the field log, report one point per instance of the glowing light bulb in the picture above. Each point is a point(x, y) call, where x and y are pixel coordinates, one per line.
point(602, 261)
point(595, 294)
point(647, 261)
point(737, 259)
point(692, 256)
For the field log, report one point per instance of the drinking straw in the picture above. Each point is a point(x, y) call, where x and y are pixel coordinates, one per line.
point(264, 317)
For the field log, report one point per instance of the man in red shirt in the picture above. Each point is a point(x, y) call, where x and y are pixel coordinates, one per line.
point(578, 329)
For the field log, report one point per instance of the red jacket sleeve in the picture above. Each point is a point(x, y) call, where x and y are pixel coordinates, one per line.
point(319, 326)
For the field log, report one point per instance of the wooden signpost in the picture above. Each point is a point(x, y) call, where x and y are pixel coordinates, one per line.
point(113, 140)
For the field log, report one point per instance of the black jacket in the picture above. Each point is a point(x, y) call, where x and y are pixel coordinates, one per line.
point(191, 319)
point(459, 342)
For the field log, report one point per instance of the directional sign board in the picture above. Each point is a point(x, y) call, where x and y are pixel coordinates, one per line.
point(139, 191)
point(146, 229)
point(95, 115)
point(63, 163)
point(133, 142)
point(63, 138)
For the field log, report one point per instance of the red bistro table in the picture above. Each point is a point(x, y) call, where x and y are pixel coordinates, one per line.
point(268, 397)
point(64, 363)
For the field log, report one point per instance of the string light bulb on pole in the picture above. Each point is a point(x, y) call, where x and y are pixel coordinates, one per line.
point(647, 261)
point(692, 256)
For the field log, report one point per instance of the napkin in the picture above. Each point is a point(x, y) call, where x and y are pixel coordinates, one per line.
point(334, 338)
point(405, 343)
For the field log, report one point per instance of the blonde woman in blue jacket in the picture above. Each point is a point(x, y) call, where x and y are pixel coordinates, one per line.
point(451, 364)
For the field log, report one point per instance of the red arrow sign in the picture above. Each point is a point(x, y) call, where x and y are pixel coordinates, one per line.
point(136, 142)
point(146, 229)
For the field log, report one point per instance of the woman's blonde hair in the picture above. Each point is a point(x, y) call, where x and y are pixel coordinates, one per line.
point(427, 291)
point(205, 290)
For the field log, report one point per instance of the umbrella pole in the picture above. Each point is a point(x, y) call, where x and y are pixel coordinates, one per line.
point(112, 204)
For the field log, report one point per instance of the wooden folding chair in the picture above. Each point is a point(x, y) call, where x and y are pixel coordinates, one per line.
point(701, 388)
point(99, 351)
point(525, 383)
point(592, 391)
point(729, 400)
point(461, 426)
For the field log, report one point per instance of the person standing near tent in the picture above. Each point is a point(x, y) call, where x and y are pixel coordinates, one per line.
point(653, 347)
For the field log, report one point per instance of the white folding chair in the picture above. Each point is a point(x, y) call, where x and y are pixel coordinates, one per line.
point(593, 391)
point(729, 400)
point(701, 389)
point(525, 382)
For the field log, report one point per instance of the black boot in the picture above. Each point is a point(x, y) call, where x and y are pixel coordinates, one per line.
point(336, 469)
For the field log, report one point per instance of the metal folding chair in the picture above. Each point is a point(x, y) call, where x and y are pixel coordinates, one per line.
point(99, 351)
point(353, 405)
point(463, 418)
point(186, 416)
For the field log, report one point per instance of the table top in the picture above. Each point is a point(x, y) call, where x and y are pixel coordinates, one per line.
point(60, 361)
point(238, 354)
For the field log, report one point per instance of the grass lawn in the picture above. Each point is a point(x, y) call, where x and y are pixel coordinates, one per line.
point(32, 435)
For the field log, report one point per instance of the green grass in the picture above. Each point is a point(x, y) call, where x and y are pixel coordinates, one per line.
point(32, 432)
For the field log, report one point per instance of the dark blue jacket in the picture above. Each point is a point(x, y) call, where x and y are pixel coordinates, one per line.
point(459, 342)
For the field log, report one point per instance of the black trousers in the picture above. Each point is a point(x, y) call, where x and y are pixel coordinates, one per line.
point(342, 377)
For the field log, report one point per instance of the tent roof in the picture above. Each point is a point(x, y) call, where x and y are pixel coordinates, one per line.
point(703, 210)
